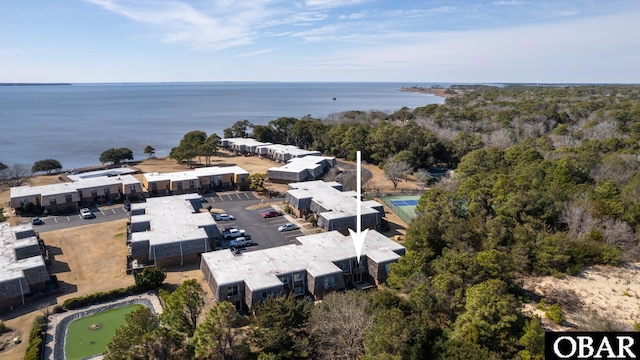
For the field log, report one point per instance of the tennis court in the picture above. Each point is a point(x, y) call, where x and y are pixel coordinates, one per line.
point(404, 202)
point(403, 206)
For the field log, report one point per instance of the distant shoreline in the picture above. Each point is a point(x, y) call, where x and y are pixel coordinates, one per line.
point(33, 84)
point(440, 92)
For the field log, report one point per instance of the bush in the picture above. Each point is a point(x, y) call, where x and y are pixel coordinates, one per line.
point(288, 209)
point(100, 297)
point(58, 309)
point(636, 326)
point(35, 339)
point(3, 327)
point(555, 314)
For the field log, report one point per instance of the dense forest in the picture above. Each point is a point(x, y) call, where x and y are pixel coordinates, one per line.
point(545, 182)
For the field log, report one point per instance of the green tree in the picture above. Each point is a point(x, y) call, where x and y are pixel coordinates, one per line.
point(150, 151)
point(215, 337)
point(183, 307)
point(150, 277)
point(47, 166)
point(532, 340)
point(238, 129)
point(279, 327)
point(209, 147)
point(162, 343)
point(137, 324)
point(490, 316)
point(257, 181)
point(116, 155)
point(189, 147)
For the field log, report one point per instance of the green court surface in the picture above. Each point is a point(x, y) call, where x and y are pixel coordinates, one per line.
point(403, 206)
point(90, 335)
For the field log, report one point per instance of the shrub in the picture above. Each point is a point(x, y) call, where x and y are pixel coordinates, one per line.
point(3, 327)
point(288, 209)
point(100, 297)
point(636, 326)
point(542, 305)
point(36, 334)
point(555, 314)
point(58, 309)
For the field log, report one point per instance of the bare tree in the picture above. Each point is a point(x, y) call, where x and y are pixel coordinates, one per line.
point(423, 176)
point(15, 175)
point(578, 219)
point(396, 170)
point(338, 325)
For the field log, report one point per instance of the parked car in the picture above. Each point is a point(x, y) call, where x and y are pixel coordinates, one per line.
point(271, 214)
point(287, 227)
point(240, 242)
point(224, 217)
point(86, 213)
point(232, 234)
point(36, 221)
point(226, 229)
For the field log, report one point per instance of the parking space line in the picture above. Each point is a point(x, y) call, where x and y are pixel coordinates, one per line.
point(211, 197)
point(114, 211)
point(70, 219)
point(245, 194)
point(221, 199)
point(229, 197)
point(56, 219)
point(238, 195)
point(102, 212)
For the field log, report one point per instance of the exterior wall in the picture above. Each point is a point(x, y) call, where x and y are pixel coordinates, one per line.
point(10, 303)
point(140, 251)
point(176, 252)
point(160, 187)
point(254, 297)
point(185, 186)
point(17, 202)
point(61, 200)
point(132, 189)
point(175, 260)
point(27, 251)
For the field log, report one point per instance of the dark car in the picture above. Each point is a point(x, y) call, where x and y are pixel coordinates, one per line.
point(271, 214)
point(37, 221)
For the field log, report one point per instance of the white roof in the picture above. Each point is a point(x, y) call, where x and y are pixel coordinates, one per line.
point(10, 267)
point(299, 164)
point(246, 141)
point(290, 149)
point(72, 187)
point(172, 219)
point(98, 173)
point(338, 204)
point(315, 254)
point(196, 173)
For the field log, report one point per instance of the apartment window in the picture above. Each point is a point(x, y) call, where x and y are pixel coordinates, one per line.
point(329, 282)
point(179, 185)
point(192, 184)
point(243, 178)
point(299, 290)
point(219, 179)
point(212, 179)
point(133, 188)
point(67, 198)
point(387, 268)
point(80, 193)
point(355, 264)
point(52, 201)
point(154, 186)
point(94, 192)
point(106, 190)
point(232, 290)
point(284, 279)
point(357, 278)
point(343, 266)
point(265, 294)
point(298, 277)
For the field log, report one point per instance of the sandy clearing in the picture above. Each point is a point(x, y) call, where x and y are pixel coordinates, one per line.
point(599, 298)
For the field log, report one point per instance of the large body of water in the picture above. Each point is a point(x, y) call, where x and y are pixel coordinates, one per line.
point(75, 123)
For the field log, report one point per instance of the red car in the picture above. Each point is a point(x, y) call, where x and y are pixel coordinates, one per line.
point(271, 214)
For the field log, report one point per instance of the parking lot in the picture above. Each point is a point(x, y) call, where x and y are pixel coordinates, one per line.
point(248, 216)
point(102, 214)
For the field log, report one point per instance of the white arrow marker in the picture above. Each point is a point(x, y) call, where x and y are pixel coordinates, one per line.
point(359, 235)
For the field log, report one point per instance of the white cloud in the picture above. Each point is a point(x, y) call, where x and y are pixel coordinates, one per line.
point(254, 53)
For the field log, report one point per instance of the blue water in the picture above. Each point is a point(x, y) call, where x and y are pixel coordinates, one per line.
point(75, 123)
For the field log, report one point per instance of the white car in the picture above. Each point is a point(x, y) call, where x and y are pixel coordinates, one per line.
point(240, 242)
point(86, 213)
point(224, 217)
point(232, 234)
point(287, 227)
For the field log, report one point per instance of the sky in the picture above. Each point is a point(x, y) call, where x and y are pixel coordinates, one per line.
point(495, 41)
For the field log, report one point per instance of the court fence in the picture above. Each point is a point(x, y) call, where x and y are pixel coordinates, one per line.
point(406, 213)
